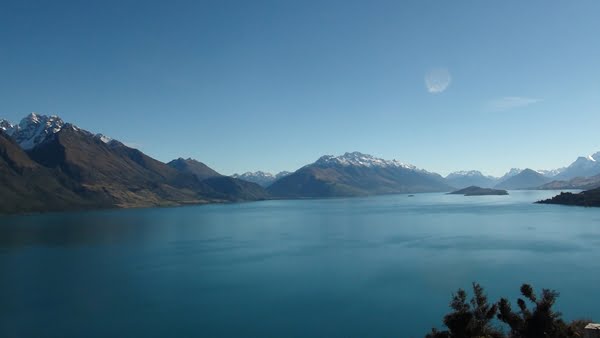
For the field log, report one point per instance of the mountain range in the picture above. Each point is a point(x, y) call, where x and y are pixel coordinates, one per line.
point(61, 166)
point(584, 166)
point(526, 179)
point(356, 174)
point(261, 178)
point(49, 164)
point(462, 179)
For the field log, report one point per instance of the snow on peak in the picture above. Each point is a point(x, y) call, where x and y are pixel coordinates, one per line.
point(6, 126)
point(512, 172)
point(282, 174)
point(551, 172)
point(256, 174)
point(470, 173)
point(585, 161)
point(359, 159)
point(34, 129)
point(103, 138)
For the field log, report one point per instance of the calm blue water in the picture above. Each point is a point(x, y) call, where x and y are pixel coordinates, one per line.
point(364, 267)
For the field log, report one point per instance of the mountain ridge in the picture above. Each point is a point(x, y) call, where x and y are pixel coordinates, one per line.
point(93, 171)
point(526, 179)
point(104, 172)
point(356, 174)
point(262, 178)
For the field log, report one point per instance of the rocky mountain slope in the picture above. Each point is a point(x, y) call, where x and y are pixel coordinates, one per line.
point(65, 163)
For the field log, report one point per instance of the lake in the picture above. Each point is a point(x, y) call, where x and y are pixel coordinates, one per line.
point(382, 266)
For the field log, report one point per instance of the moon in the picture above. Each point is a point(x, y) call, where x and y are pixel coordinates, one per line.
point(437, 80)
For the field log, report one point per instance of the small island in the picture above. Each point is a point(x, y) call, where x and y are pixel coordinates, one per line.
point(479, 191)
point(588, 198)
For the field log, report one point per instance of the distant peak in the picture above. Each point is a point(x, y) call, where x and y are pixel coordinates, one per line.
point(466, 173)
point(359, 159)
point(254, 174)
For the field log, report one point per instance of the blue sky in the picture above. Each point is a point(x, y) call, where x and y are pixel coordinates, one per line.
point(273, 85)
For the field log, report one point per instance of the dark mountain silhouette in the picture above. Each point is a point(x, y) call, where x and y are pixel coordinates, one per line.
point(124, 175)
point(191, 166)
point(26, 186)
point(478, 191)
point(225, 187)
point(588, 198)
point(235, 189)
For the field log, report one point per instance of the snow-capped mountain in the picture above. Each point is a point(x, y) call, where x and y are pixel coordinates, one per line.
point(6, 126)
point(282, 174)
point(104, 138)
point(551, 172)
point(35, 128)
point(584, 166)
point(359, 159)
point(545, 172)
point(525, 179)
point(463, 179)
point(356, 174)
point(260, 177)
point(512, 172)
point(465, 173)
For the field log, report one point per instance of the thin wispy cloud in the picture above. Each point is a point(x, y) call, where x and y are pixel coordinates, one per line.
point(510, 102)
point(437, 80)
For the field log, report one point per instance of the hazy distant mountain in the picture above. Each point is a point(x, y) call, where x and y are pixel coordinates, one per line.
point(512, 172)
point(355, 174)
point(199, 169)
point(260, 177)
point(462, 179)
point(551, 172)
point(544, 172)
point(584, 183)
point(582, 167)
point(526, 179)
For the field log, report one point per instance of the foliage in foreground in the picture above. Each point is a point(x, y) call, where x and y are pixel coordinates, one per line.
point(474, 319)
